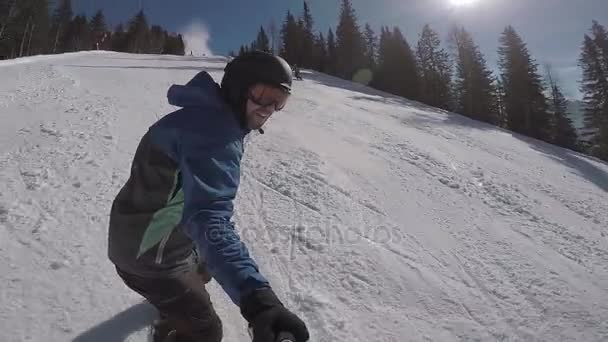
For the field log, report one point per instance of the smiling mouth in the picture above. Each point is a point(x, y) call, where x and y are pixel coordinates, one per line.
point(263, 116)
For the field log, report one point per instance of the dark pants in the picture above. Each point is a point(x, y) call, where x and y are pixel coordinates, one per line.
point(183, 304)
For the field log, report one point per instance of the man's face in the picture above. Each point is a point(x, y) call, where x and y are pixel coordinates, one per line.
point(262, 101)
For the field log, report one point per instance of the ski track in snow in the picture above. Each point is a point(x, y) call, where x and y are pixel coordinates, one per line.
point(375, 218)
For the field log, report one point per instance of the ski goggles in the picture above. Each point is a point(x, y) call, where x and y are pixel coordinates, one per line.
point(265, 96)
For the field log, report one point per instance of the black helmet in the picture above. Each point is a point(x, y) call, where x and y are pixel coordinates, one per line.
point(251, 68)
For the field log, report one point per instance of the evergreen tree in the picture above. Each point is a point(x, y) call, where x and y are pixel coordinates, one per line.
point(594, 62)
point(371, 43)
point(138, 34)
point(7, 12)
point(24, 27)
point(39, 41)
point(600, 38)
point(27, 29)
point(300, 43)
point(384, 77)
point(475, 94)
point(157, 39)
point(525, 102)
point(289, 36)
point(174, 45)
point(332, 54)
point(262, 42)
point(397, 71)
point(61, 20)
point(119, 41)
point(307, 37)
point(349, 42)
point(435, 70)
point(563, 133)
point(99, 31)
point(8, 32)
point(78, 35)
point(320, 53)
point(98, 22)
point(181, 46)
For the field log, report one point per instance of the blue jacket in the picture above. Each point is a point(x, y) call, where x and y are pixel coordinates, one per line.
point(195, 152)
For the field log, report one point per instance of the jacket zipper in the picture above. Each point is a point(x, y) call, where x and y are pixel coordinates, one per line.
point(161, 248)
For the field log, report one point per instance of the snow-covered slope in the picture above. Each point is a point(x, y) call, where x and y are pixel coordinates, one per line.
point(376, 218)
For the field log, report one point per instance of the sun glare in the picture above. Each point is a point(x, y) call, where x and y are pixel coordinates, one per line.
point(462, 3)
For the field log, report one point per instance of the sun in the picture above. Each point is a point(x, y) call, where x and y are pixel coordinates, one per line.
point(462, 3)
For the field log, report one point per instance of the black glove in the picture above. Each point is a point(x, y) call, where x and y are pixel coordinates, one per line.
point(268, 317)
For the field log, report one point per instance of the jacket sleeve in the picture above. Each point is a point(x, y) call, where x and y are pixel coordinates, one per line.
point(210, 176)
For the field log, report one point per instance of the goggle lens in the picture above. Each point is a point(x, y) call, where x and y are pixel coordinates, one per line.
point(265, 96)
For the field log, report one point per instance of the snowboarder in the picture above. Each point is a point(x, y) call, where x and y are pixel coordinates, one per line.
point(170, 225)
point(296, 72)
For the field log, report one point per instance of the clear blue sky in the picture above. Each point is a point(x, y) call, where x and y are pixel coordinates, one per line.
point(553, 29)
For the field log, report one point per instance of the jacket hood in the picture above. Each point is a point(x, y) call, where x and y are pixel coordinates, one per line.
point(203, 91)
point(200, 91)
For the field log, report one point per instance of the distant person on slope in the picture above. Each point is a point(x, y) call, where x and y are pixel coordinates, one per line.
point(296, 72)
point(171, 222)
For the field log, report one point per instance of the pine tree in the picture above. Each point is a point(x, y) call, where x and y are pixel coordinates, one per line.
point(157, 39)
point(61, 20)
point(435, 70)
point(98, 23)
point(320, 53)
point(181, 46)
point(28, 29)
point(8, 35)
point(349, 42)
point(119, 40)
point(371, 42)
point(78, 35)
point(332, 57)
point(21, 23)
point(563, 133)
point(307, 37)
point(525, 102)
point(600, 38)
point(406, 66)
point(475, 94)
point(396, 72)
point(99, 30)
point(289, 36)
point(384, 75)
point(174, 44)
point(262, 42)
point(300, 43)
point(138, 34)
point(38, 40)
point(594, 62)
point(7, 12)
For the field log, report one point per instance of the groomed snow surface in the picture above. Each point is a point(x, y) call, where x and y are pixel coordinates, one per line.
point(375, 218)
